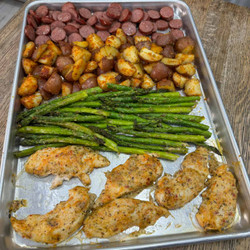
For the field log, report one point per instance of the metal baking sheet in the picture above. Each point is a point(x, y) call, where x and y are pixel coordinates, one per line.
point(179, 228)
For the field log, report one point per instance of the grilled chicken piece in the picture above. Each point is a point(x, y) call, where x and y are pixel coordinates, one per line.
point(174, 192)
point(65, 163)
point(218, 208)
point(137, 172)
point(120, 215)
point(58, 224)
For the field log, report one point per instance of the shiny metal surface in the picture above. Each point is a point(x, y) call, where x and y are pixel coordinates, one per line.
point(178, 229)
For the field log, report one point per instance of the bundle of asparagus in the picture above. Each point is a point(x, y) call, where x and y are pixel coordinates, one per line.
point(126, 120)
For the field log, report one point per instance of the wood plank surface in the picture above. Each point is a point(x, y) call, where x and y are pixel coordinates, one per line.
point(225, 34)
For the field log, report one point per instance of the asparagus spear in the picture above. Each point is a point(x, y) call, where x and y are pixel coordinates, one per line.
point(144, 105)
point(74, 117)
point(129, 117)
point(60, 102)
point(85, 110)
point(93, 104)
point(153, 110)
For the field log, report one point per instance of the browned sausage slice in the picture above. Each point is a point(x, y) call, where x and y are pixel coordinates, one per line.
point(92, 20)
point(80, 20)
point(68, 6)
point(146, 27)
point(73, 13)
point(47, 20)
point(35, 16)
point(86, 30)
point(103, 35)
point(31, 21)
point(64, 17)
point(116, 25)
point(30, 32)
point(42, 11)
point(77, 25)
point(56, 24)
point(137, 15)
point(98, 14)
point(105, 20)
point(175, 24)
point(70, 29)
point(125, 15)
point(129, 28)
point(43, 30)
point(85, 13)
point(58, 34)
point(176, 34)
point(154, 14)
point(75, 37)
point(114, 10)
point(167, 13)
point(146, 17)
point(164, 40)
point(161, 24)
point(41, 40)
point(155, 35)
point(168, 51)
point(155, 27)
point(65, 48)
point(101, 27)
point(55, 14)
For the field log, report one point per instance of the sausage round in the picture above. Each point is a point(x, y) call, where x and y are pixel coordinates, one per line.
point(160, 71)
point(168, 51)
point(137, 15)
point(43, 30)
point(155, 35)
point(55, 14)
point(80, 21)
point(176, 34)
point(31, 21)
point(67, 6)
point(146, 27)
point(105, 20)
point(64, 17)
point(85, 13)
point(116, 25)
point(65, 48)
point(74, 37)
point(92, 20)
point(86, 30)
point(165, 39)
point(161, 24)
point(41, 40)
point(70, 29)
point(77, 25)
point(62, 61)
point(47, 20)
point(103, 35)
point(167, 13)
point(90, 83)
point(175, 24)
point(114, 10)
point(125, 15)
point(30, 32)
point(73, 13)
point(53, 84)
point(35, 16)
point(58, 34)
point(42, 11)
point(146, 17)
point(58, 24)
point(154, 14)
point(101, 27)
point(129, 28)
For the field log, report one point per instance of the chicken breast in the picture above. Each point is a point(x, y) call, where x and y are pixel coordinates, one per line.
point(121, 214)
point(175, 191)
point(137, 172)
point(218, 207)
point(57, 225)
point(65, 163)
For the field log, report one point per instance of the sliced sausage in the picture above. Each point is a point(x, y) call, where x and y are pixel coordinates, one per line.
point(175, 24)
point(29, 32)
point(101, 27)
point(85, 13)
point(77, 25)
point(43, 30)
point(90, 83)
point(161, 24)
point(146, 17)
point(47, 20)
point(62, 61)
point(73, 13)
point(114, 10)
point(98, 14)
point(55, 14)
point(155, 35)
point(137, 15)
point(53, 84)
point(65, 48)
point(41, 40)
point(70, 29)
point(168, 51)
point(116, 25)
point(64, 17)
point(105, 20)
point(146, 27)
point(86, 30)
point(116, 5)
point(141, 45)
point(80, 21)
point(138, 33)
point(31, 21)
point(155, 27)
point(67, 6)
point(41, 82)
point(125, 15)
point(58, 34)
point(57, 24)
point(177, 34)
point(160, 71)
point(154, 14)
point(165, 39)
point(103, 35)
point(75, 37)
point(42, 11)
point(167, 13)
point(35, 16)
point(129, 28)
point(92, 20)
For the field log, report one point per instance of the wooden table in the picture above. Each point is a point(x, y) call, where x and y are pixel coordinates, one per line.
point(225, 34)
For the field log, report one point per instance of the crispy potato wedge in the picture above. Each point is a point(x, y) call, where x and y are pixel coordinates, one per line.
point(126, 83)
point(38, 52)
point(67, 72)
point(82, 44)
point(28, 86)
point(131, 54)
point(139, 71)
point(186, 69)
point(185, 58)
point(109, 77)
point(192, 87)
point(31, 101)
point(179, 80)
point(149, 55)
point(80, 53)
point(166, 84)
point(48, 57)
point(121, 35)
point(138, 39)
point(28, 65)
point(91, 66)
point(78, 68)
point(147, 82)
point(85, 77)
point(157, 49)
point(171, 61)
point(106, 51)
point(53, 47)
point(125, 68)
point(113, 41)
point(66, 88)
point(135, 82)
point(149, 67)
point(94, 41)
point(29, 48)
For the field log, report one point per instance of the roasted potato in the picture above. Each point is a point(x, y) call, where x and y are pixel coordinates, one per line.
point(103, 79)
point(91, 66)
point(131, 54)
point(166, 84)
point(185, 45)
point(94, 41)
point(48, 57)
point(148, 68)
point(192, 87)
point(54, 84)
point(80, 53)
point(121, 35)
point(126, 68)
point(138, 39)
point(171, 61)
point(147, 82)
point(139, 71)
point(78, 68)
point(28, 86)
point(28, 65)
point(185, 58)
point(179, 80)
point(66, 88)
point(67, 72)
point(43, 71)
point(29, 49)
point(52, 46)
point(157, 49)
point(38, 52)
point(135, 83)
point(106, 51)
point(149, 55)
point(82, 44)
point(31, 101)
point(85, 77)
point(113, 41)
point(126, 83)
point(186, 69)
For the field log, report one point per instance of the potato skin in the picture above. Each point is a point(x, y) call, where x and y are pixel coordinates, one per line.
point(53, 84)
point(185, 45)
point(160, 71)
point(62, 61)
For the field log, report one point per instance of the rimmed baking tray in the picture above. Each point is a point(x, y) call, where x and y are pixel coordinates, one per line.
point(178, 229)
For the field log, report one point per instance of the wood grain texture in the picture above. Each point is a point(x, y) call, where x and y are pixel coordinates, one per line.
point(224, 31)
